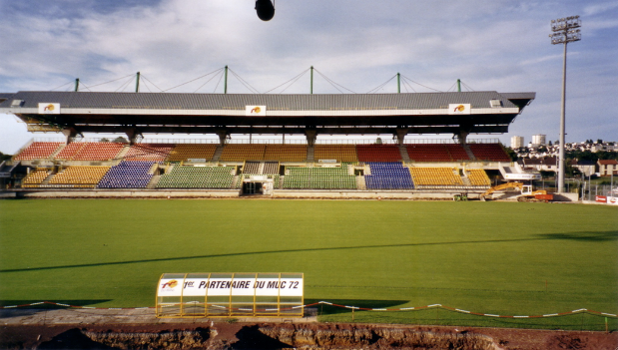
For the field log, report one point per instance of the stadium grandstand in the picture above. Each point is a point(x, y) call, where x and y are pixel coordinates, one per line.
point(222, 166)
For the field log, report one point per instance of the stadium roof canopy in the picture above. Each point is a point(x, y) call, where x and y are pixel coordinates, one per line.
point(458, 113)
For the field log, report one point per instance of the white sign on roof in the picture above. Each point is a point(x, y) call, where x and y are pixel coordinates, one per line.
point(49, 108)
point(459, 108)
point(255, 111)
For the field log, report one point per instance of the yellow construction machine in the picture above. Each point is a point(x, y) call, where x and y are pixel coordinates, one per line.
point(526, 192)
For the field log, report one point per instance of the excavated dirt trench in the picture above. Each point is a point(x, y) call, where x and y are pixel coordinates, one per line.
point(244, 336)
point(269, 336)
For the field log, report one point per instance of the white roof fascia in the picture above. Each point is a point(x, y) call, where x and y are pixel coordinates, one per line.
point(272, 113)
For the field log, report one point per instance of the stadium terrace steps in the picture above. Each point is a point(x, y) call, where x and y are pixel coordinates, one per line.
point(478, 177)
point(153, 182)
point(466, 148)
point(123, 152)
point(69, 151)
point(252, 167)
point(457, 152)
point(404, 153)
point(310, 154)
point(466, 181)
point(217, 156)
point(36, 178)
point(260, 168)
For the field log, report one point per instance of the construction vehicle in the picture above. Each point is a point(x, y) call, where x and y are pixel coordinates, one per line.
point(526, 193)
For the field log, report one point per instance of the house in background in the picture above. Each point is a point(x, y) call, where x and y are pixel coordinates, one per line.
point(608, 167)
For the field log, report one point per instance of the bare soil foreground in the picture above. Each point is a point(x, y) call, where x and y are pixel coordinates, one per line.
point(250, 335)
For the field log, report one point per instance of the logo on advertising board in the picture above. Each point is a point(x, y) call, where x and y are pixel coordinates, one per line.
point(601, 199)
point(612, 200)
point(255, 111)
point(49, 108)
point(168, 287)
point(459, 108)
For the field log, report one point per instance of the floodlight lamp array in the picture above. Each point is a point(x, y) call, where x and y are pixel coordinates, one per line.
point(566, 37)
point(566, 23)
point(564, 30)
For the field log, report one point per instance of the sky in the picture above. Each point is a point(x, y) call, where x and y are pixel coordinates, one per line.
point(355, 46)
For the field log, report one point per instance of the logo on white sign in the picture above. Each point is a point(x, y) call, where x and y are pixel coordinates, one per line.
point(49, 108)
point(255, 111)
point(459, 108)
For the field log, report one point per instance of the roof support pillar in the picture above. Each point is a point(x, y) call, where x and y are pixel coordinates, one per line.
point(401, 134)
point(223, 136)
point(70, 134)
point(463, 131)
point(462, 136)
point(133, 135)
point(312, 135)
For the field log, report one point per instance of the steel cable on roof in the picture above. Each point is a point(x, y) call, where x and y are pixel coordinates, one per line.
point(467, 86)
point(407, 85)
point(242, 81)
point(124, 86)
point(61, 86)
point(293, 81)
point(111, 81)
point(198, 78)
point(146, 85)
point(333, 83)
point(84, 85)
point(153, 84)
point(412, 81)
point(216, 86)
point(381, 86)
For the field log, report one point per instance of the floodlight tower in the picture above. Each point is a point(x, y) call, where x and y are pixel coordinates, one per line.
point(564, 31)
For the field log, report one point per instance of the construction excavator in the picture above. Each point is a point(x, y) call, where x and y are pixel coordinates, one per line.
point(526, 193)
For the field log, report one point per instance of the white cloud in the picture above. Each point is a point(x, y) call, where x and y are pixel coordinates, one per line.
point(599, 8)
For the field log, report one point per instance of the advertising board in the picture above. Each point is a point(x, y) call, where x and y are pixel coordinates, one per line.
point(226, 293)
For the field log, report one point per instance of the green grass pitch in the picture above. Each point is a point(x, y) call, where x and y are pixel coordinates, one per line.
point(495, 258)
